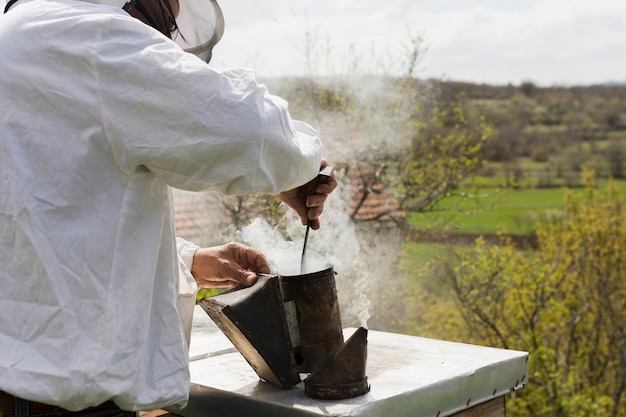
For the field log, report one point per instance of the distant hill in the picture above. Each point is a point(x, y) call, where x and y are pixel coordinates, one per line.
point(616, 83)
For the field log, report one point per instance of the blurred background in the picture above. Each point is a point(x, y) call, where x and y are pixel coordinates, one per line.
point(480, 148)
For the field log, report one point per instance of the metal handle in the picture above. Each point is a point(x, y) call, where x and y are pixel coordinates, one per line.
point(327, 172)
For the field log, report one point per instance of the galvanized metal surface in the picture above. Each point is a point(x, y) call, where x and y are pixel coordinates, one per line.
point(409, 376)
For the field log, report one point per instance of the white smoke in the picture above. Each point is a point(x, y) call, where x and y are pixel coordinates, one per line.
point(335, 243)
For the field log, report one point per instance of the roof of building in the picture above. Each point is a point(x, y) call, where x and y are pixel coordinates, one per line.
point(201, 214)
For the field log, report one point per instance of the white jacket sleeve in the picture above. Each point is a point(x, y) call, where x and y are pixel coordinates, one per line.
point(197, 128)
point(187, 287)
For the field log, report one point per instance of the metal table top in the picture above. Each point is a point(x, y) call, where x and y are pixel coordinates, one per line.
point(409, 376)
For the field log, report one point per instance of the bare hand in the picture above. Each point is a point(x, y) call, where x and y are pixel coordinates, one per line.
point(310, 206)
point(228, 265)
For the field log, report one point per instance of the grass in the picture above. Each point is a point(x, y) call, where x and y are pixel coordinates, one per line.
point(507, 210)
point(415, 257)
point(510, 211)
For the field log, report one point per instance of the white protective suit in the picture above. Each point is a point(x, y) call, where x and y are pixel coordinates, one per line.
point(100, 115)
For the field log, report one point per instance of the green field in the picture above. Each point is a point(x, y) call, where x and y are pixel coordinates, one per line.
point(512, 211)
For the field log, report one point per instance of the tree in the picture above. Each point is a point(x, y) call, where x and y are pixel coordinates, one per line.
point(615, 154)
point(440, 157)
point(564, 304)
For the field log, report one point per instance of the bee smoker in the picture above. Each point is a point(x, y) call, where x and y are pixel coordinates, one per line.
point(285, 326)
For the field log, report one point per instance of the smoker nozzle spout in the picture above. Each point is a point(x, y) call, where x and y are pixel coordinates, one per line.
point(343, 374)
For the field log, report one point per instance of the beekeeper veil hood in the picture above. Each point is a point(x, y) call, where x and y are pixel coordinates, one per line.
point(195, 25)
point(200, 26)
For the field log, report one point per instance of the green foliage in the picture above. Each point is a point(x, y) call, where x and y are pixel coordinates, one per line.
point(565, 304)
point(616, 155)
point(553, 125)
point(445, 153)
point(206, 293)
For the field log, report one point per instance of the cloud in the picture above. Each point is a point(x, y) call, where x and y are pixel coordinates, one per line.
point(496, 41)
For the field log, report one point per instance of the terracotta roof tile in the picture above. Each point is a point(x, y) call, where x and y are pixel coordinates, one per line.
point(200, 215)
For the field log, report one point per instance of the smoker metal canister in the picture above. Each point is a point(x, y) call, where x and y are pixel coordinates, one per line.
point(312, 299)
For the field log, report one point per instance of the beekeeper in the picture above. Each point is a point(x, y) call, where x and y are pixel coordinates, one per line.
point(100, 115)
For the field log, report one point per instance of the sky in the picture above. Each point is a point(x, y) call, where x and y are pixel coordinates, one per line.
point(547, 42)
